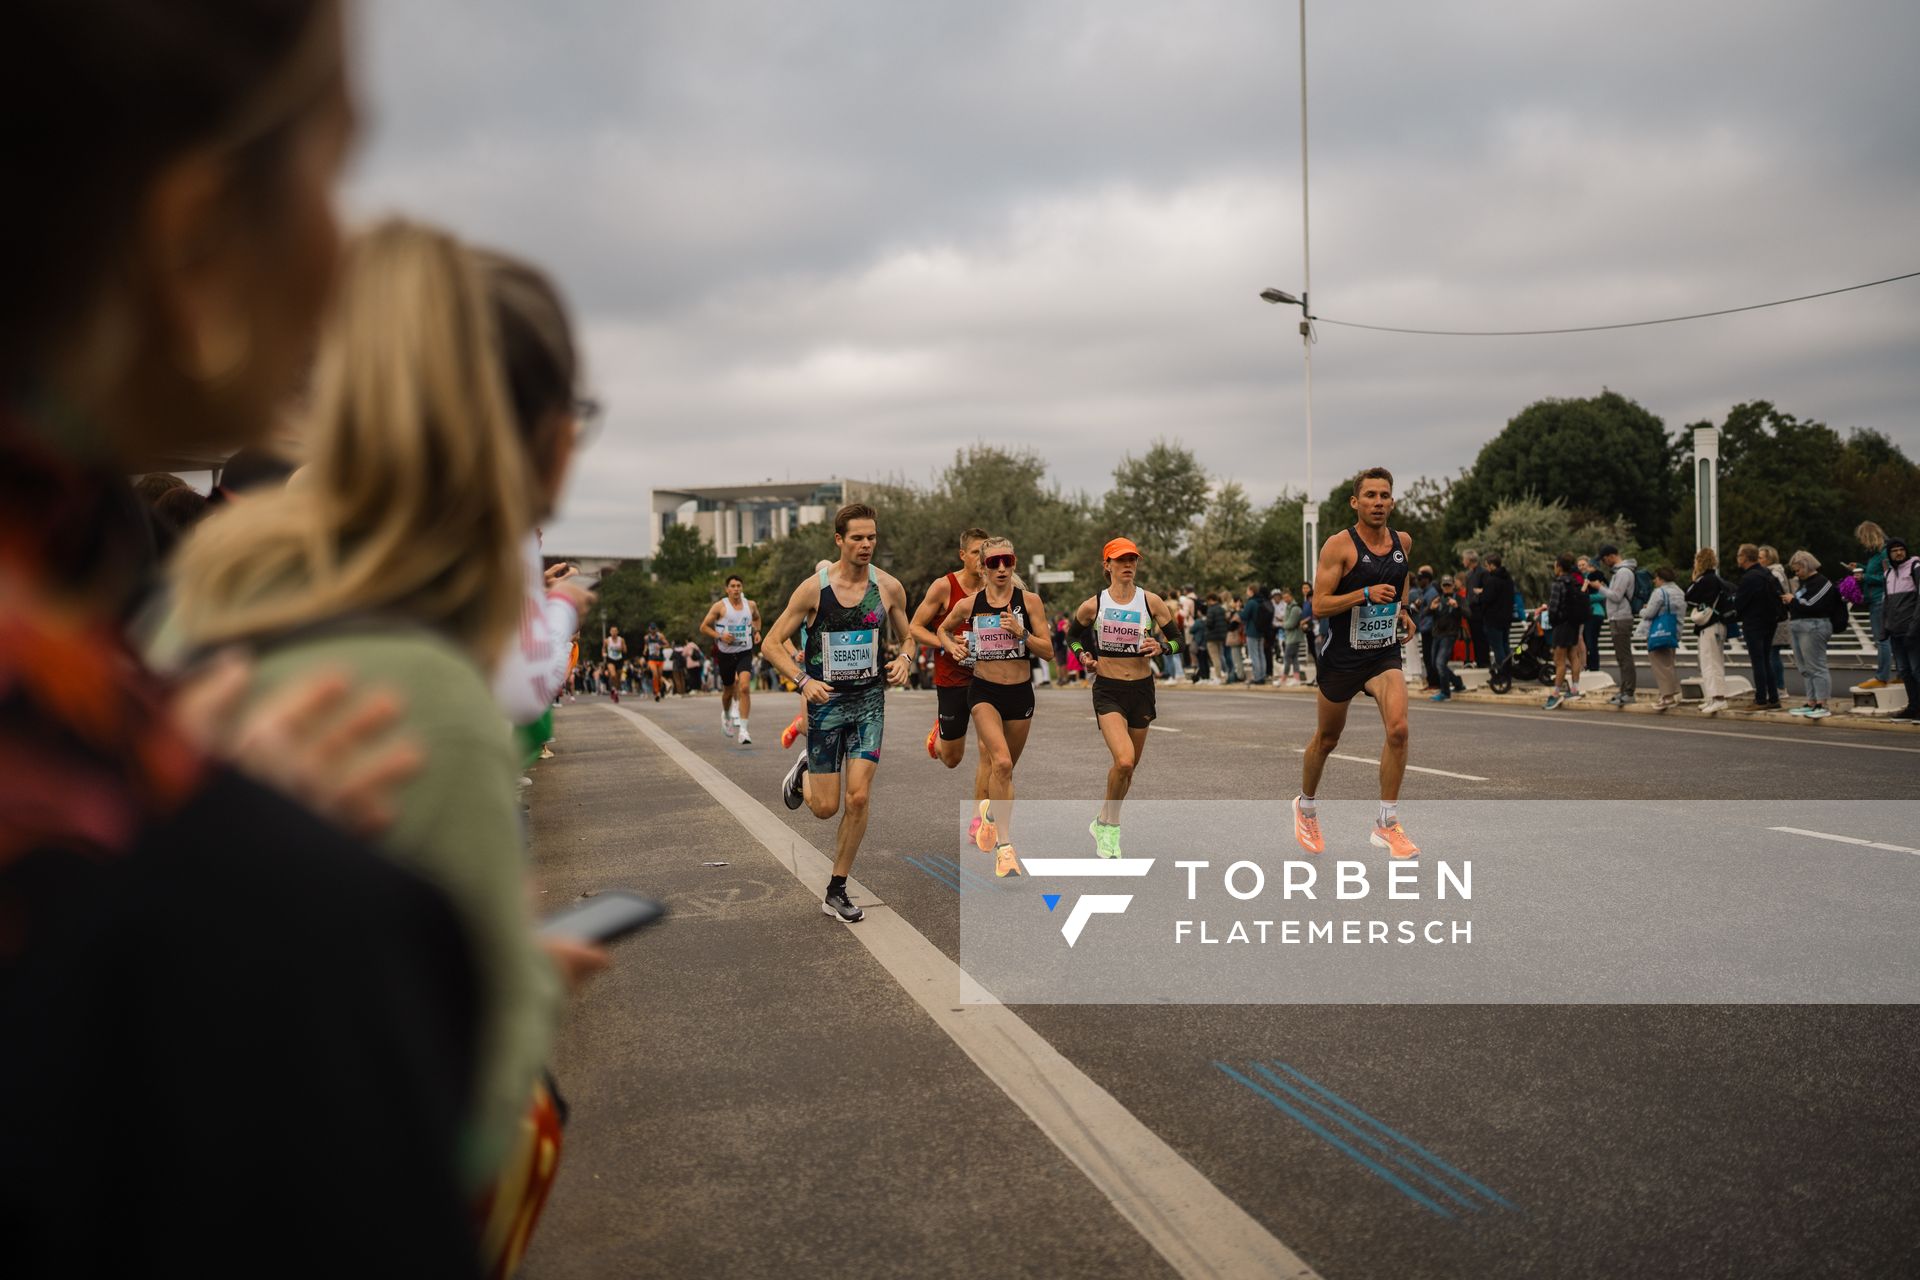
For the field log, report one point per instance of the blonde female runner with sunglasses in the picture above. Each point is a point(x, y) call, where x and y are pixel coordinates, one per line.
point(1004, 623)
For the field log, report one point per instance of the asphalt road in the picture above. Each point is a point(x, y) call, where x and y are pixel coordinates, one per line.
point(754, 1095)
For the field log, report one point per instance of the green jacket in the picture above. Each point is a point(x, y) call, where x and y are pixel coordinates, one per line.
point(459, 827)
point(1874, 576)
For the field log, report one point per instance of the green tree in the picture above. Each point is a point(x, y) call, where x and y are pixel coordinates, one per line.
point(1605, 453)
point(1274, 548)
point(1154, 500)
point(1220, 557)
point(780, 565)
point(683, 556)
point(1794, 483)
point(1528, 534)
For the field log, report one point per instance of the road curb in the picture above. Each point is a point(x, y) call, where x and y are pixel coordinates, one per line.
point(1596, 706)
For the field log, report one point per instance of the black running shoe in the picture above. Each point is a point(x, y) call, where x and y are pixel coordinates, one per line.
point(839, 904)
point(793, 789)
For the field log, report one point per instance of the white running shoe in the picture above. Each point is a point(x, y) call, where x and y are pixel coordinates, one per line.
point(727, 725)
point(746, 739)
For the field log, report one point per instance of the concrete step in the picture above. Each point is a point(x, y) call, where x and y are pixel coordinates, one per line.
point(1882, 701)
point(1693, 689)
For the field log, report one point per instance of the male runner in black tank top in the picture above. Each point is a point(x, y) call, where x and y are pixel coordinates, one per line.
point(1360, 589)
point(847, 609)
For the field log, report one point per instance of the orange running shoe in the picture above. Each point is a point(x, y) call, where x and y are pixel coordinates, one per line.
point(985, 834)
point(933, 752)
point(792, 731)
point(1004, 863)
point(1306, 830)
point(1393, 838)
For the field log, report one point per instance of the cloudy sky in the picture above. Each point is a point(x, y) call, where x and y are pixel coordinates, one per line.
point(844, 237)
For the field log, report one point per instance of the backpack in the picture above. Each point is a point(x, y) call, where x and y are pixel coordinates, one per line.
point(1642, 589)
point(1565, 602)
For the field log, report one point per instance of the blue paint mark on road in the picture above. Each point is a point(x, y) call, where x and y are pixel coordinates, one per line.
point(939, 874)
point(1409, 1143)
point(1388, 1147)
point(1372, 1166)
point(1051, 899)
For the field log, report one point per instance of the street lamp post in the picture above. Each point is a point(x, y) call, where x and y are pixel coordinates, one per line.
point(1309, 508)
point(1706, 487)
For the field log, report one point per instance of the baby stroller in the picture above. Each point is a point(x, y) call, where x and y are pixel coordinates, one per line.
point(1533, 660)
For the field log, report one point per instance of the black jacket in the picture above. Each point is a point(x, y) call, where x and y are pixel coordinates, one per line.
point(1757, 601)
point(1216, 623)
point(1710, 591)
point(1477, 596)
point(1496, 597)
point(1819, 598)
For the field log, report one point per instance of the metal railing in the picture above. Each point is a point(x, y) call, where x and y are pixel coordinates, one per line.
point(1856, 641)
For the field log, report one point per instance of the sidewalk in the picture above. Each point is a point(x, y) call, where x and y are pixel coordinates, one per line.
point(1531, 695)
point(751, 1093)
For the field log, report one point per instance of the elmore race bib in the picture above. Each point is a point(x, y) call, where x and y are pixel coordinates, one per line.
point(1121, 630)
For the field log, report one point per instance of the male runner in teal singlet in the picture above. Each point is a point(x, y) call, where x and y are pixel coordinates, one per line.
point(1360, 589)
point(843, 681)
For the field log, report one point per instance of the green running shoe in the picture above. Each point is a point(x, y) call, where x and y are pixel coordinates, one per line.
point(1106, 838)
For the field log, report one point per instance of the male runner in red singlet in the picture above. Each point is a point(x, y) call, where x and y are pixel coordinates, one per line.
point(947, 740)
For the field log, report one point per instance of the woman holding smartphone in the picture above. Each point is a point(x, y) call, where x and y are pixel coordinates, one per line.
point(444, 418)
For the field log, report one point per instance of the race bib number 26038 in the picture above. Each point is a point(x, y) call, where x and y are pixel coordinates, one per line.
point(1375, 626)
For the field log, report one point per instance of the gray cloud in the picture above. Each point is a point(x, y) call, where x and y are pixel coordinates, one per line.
point(847, 238)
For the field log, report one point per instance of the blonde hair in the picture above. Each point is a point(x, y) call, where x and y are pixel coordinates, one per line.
point(1768, 556)
point(996, 542)
point(1803, 563)
point(1704, 559)
point(418, 489)
point(1871, 535)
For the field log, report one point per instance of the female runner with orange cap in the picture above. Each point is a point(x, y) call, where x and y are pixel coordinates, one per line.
point(1113, 636)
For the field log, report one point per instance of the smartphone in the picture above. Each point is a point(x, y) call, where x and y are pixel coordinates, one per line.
point(603, 918)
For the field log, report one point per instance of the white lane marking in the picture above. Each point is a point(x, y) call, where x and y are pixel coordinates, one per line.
point(1189, 1221)
point(1602, 720)
point(1827, 835)
point(1087, 866)
point(1412, 768)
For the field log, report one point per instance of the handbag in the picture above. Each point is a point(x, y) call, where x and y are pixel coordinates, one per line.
point(1663, 630)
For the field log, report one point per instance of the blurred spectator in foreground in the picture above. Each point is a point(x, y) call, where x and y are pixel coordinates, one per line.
point(386, 565)
point(175, 512)
point(230, 1034)
point(250, 471)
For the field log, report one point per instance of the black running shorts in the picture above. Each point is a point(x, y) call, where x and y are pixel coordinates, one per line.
point(733, 664)
point(1566, 634)
point(1012, 701)
point(1130, 698)
point(954, 709)
point(1340, 684)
